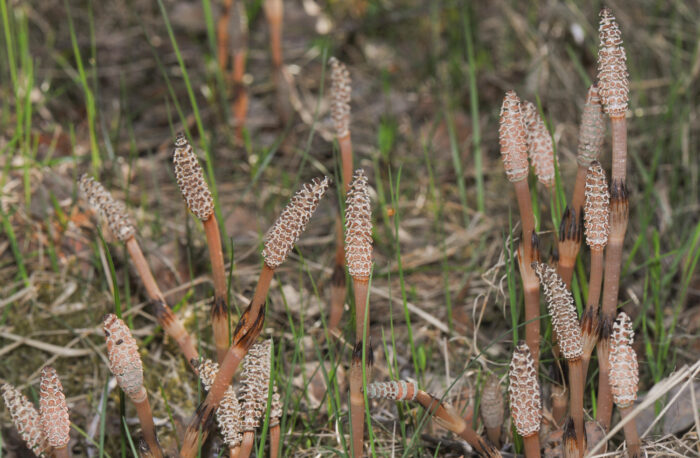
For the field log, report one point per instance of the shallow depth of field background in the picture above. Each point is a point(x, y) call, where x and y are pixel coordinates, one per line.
point(97, 87)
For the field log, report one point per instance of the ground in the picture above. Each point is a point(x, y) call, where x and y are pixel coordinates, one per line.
point(102, 88)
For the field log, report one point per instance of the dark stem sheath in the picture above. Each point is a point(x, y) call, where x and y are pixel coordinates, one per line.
point(143, 411)
point(631, 434)
point(576, 402)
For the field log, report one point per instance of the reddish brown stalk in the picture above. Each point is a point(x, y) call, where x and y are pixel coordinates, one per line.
point(449, 419)
point(614, 93)
point(148, 428)
point(570, 232)
point(346, 159)
point(239, 44)
point(247, 330)
point(274, 12)
point(222, 36)
point(619, 210)
point(340, 113)
point(631, 434)
point(197, 196)
point(605, 402)
point(219, 308)
point(275, 441)
point(357, 402)
point(560, 303)
point(513, 145)
point(531, 291)
point(114, 212)
point(276, 410)
point(163, 313)
point(279, 241)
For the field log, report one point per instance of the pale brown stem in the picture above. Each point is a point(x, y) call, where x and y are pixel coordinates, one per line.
point(275, 441)
point(338, 286)
point(346, 159)
point(357, 407)
point(494, 435)
point(631, 434)
point(219, 307)
point(531, 444)
point(143, 411)
point(596, 278)
point(165, 316)
point(233, 452)
point(579, 197)
point(532, 326)
point(605, 401)
point(611, 284)
point(143, 270)
point(527, 273)
point(449, 419)
point(222, 34)
point(576, 403)
point(247, 444)
point(619, 149)
point(590, 318)
point(275, 13)
point(247, 330)
point(240, 94)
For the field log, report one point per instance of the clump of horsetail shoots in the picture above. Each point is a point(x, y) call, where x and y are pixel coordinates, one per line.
point(255, 381)
point(613, 87)
point(279, 241)
point(125, 363)
point(26, 419)
point(513, 142)
point(539, 144)
point(444, 414)
point(197, 196)
point(597, 218)
point(524, 397)
point(115, 214)
point(492, 408)
point(590, 143)
point(561, 307)
point(341, 90)
point(53, 412)
point(358, 257)
point(228, 414)
point(624, 378)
